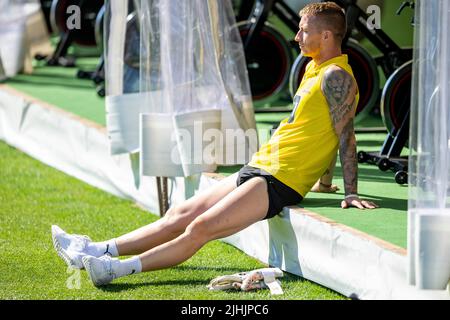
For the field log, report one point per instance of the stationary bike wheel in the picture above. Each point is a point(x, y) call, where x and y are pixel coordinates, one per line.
point(396, 97)
point(84, 36)
point(269, 59)
point(364, 69)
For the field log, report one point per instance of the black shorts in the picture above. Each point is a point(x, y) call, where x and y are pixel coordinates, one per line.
point(280, 195)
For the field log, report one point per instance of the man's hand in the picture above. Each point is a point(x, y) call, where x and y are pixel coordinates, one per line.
point(324, 188)
point(357, 202)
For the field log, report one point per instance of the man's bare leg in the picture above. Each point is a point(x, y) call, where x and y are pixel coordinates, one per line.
point(239, 209)
point(175, 221)
point(72, 248)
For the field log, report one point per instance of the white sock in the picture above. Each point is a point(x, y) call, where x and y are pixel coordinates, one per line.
point(127, 266)
point(98, 249)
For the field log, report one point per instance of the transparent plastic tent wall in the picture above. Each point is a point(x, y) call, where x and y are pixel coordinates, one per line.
point(429, 165)
point(178, 92)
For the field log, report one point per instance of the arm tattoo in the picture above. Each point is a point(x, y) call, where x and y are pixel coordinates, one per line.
point(337, 86)
point(349, 162)
point(339, 90)
point(339, 112)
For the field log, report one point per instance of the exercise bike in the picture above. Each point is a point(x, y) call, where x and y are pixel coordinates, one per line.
point(395, 109)
point(131, 59)
point(268, 54)
point(90, 34)
point(84, 36)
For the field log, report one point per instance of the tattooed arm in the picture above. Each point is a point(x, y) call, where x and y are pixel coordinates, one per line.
point(340, 89)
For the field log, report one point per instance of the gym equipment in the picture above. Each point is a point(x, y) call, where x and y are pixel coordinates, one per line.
point(268, 54)
point(84, 36)
point(131, 58)
point(396, 100)
point(269, 59)
point(395, 108)
point(242, 9)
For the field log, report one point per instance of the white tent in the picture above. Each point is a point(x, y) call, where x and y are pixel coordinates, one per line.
point(177, 86)
point(429, 165)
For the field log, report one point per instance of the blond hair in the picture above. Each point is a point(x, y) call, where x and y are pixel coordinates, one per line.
point(332, 17)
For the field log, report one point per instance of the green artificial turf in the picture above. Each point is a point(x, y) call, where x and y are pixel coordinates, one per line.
point(389, 222)
point(60, 87)
point(34, 196)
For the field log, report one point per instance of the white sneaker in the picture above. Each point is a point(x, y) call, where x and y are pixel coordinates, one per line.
point(99, 269)
point(70, 247)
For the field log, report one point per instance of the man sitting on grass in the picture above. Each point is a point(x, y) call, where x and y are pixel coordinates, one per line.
point(279, 174)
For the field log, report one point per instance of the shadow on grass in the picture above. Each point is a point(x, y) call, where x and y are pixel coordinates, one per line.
point(118, 287)
point(54, 82)
point(221, 270)
point(286, 280)
point(386, 202)
point(271, 122)
point(125, 286)
point(369, 143)
point(383, 202)
point(371, 174)
point(52, 75)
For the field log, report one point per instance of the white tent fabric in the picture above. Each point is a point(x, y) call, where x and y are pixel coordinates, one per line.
point(12, 36)
point(23, 34)
point(429, 165)
point(177, 86)
point(2, 71)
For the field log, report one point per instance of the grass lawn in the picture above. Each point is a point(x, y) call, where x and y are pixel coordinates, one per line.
point(34, 196)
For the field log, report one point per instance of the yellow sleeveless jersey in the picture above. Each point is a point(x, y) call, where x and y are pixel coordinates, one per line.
point(303, 146)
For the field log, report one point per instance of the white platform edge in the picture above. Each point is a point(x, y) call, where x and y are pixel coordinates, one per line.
point(300, 242)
